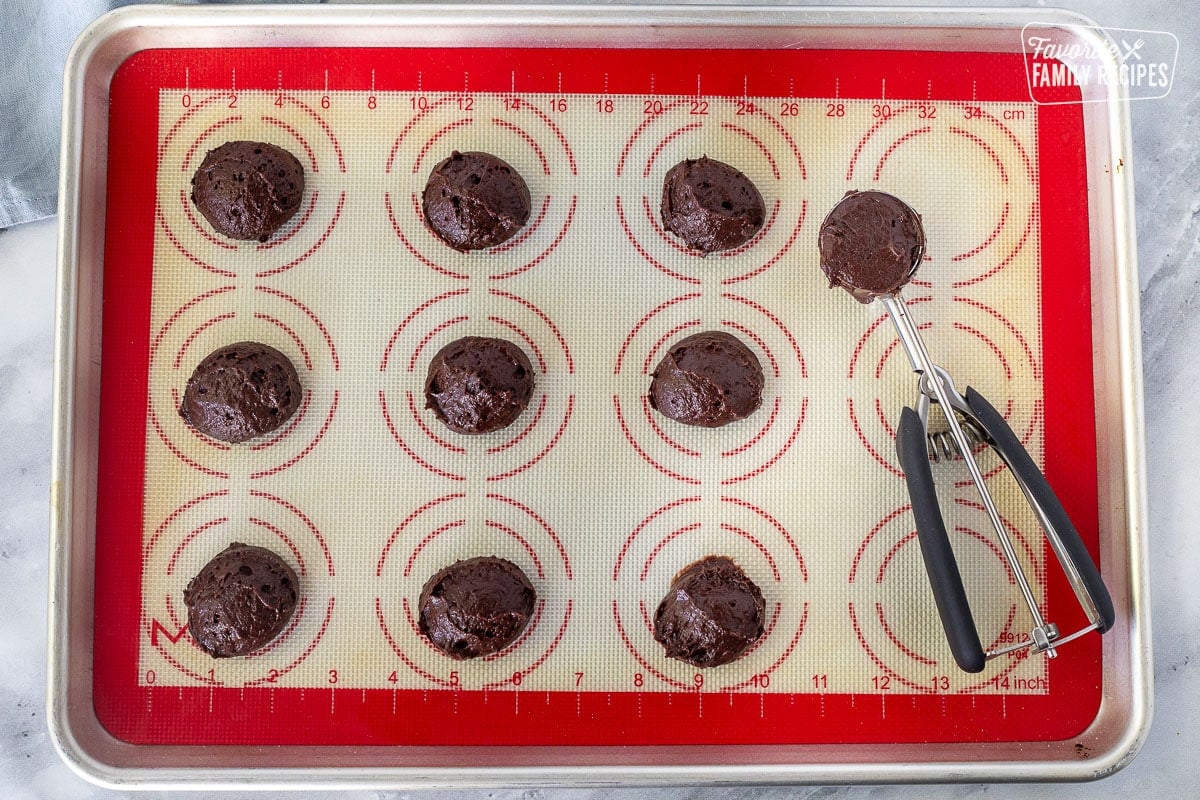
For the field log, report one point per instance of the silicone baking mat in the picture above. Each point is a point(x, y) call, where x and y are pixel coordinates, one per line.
point(598, 498)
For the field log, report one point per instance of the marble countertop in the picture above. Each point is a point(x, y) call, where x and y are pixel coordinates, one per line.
point(1166, 166)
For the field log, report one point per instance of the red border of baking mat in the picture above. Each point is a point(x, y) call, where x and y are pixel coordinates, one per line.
point(204, 715)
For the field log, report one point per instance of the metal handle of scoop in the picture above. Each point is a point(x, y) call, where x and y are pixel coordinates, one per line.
point(936, 385)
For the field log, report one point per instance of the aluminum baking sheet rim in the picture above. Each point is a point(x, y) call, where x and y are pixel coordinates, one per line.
point(74, 444)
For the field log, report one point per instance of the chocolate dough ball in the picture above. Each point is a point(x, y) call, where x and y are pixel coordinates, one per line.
point(871, 244)
point(474, 200)
point(248, 190)
point(476, 607)
point(708, 379)
point(240, 601)
point(710, 205)
point(478, 384)
point(711, 615)
point(240, 392)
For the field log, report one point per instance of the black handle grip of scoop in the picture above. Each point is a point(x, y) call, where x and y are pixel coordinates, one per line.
point(1009, 446)
point(943, 572)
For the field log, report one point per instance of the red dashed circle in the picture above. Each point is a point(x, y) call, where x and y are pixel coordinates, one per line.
point(513, 129)
point(202, 325)
point(736, 452)
point(741, 134)
point(452, 528)
point(682, 532)
point(998, 224)
point(195, 532)
point(425, 439)
point(278, 119)
point(893, 616)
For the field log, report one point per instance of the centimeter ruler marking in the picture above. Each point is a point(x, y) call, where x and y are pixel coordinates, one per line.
point(652, 80)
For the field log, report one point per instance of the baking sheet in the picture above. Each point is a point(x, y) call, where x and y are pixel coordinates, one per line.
point(368, 496)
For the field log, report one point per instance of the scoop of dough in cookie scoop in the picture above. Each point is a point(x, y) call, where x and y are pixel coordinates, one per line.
point(871, 244)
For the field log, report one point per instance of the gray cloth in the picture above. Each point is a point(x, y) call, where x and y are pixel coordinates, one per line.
point(35, 37)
